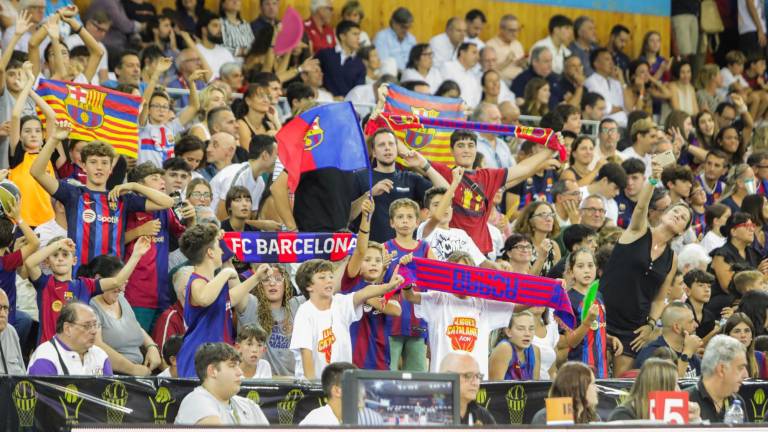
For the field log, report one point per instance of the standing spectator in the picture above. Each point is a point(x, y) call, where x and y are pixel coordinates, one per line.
point(650, 51)
point(476, 21)
point(608, 82)
point(236, 33)
point(210, 44)
point(752, 30)
point(495, 151)
point(269, 11)
point(318, 29)
point(445, 46)
point(585, 41)
point(560, 35)
point(685, 26)
point(420, 67)
point(723, 368)
point(541, 67)
point(98, 26)
point(617, 43)
point(461, 71)
point(494, 90)
point(342, 67)
point(508, 48)
point(395, 42)
point(122, 28)
point(34, 10)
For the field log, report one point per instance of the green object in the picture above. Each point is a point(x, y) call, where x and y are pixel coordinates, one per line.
point(589, 299)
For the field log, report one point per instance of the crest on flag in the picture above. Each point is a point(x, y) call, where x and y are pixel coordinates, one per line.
point(314, 136)
point(86, 106)
point(419, 138)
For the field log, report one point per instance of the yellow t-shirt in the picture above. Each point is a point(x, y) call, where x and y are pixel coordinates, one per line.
point(36, 207)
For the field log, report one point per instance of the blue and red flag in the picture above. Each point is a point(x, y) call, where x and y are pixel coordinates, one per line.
point(327, 136)
point(289, 247)
point(96, 113)
point(493, 285)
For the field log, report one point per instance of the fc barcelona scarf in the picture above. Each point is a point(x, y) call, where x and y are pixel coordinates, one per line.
point(493, 285)
point(289, 247)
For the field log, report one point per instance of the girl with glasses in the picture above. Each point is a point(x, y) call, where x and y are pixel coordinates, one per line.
point(539, 222)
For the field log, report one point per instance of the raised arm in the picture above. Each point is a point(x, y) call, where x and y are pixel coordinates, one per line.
point(190, 112)
point(156, 200)
point(33, 47)
point(95, 52)
point(162, 65)
point(639, 223)
point(239, 292)
point(445, 202)
point(377, 290)
point(140, 248)
point(57, 68)
point(204, 294)
point(33, 243)
point(33, 262)
point(14, 134)
point(48, 112)
point(422, 165)
point(37, 170)
point(187, 38)
point(527, 168)
point(23, 25)
point(353, 266)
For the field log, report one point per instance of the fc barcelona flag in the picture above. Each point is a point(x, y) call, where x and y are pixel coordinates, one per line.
point(433, 144)
point(96, 113)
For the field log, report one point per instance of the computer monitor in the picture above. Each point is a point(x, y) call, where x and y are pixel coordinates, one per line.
point(389, 398)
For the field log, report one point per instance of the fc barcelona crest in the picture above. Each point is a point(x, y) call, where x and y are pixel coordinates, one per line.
point(314, 136)
point(85, 106)
point(419, 138)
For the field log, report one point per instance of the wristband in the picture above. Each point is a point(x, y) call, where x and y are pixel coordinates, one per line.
point(426, 166)
point(363, 232)
point(152, 345)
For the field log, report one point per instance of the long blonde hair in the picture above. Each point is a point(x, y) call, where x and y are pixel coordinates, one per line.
point(655, 375)
point(264, 312)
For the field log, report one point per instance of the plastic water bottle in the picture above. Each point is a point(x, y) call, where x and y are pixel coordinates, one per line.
point(735, 414)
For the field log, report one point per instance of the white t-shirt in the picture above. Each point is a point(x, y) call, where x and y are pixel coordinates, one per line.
point(322, 416)
point(712, 241)
point(471, 90)
point(236, 175)
point(728, 79)
point(631, 153)
point(457, 324)
point(201, 404)
point(433, 78)
point(444, 242)
point(156, 142)
point(216, 57)
point(325, 333)
point(263, 371)
point(547, 346)
point(746, 23)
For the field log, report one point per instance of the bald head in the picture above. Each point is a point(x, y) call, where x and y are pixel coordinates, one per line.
point(459, 362)
point(675, 313)
point(221, 148)
point(4, 310)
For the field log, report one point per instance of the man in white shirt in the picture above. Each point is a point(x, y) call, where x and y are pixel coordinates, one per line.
point(330, 413)
point(560, 35)
point(72, 350)
point(604, 82)
point(495, 151)
point(643, 135)
point(476, 20)
point(215, 401)
point(262, 155)
point(509, 50)
point(98, 25)
point(461, 71)
point(445, 46)
point(211, 40)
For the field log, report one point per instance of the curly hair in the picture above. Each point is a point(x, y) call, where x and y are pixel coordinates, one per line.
point(264, 311)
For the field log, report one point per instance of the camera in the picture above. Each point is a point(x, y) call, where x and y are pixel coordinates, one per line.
point(178, 203)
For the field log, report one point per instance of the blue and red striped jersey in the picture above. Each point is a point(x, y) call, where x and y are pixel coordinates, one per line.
point(8, 265)
point(212, 323)
point(93, 223)
point(593, 349)
point(406, 324)
point(370, 342)
point(53, 294)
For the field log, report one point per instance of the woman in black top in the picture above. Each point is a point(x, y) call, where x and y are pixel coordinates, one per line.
point(655, 375)
point(640, 269)
point(735, 255)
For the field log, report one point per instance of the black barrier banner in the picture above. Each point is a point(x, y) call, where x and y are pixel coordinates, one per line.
point(48, 403)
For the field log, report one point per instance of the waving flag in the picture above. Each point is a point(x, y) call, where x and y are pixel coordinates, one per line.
point(96, 113)
point(433, 144)
point(327, 136)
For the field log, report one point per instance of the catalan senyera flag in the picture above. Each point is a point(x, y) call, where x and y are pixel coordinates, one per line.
point(96, 113)
point(433, 144)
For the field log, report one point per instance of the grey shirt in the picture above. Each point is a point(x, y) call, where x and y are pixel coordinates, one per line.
point(201, 404)
point(124, 335)
point(9, 342)
point(279, 356)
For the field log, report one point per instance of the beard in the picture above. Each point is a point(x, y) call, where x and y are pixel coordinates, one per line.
point(216, 39)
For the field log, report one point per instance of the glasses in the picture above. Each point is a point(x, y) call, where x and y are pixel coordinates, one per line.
point(160, 107)
point(522, 247)
point(609, 130)
point(471, 376)
point(205, 195)
point(593, 210)
point(275, 279)
point(5, 308)
point(549, 215)
point(88, 326)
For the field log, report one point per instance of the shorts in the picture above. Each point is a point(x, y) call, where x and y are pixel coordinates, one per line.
point(626, 338)
point(750, 45)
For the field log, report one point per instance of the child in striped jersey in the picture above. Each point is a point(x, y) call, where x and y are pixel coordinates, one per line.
point(370, 342)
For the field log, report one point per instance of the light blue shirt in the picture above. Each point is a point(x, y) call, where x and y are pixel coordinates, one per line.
point(500, 157)
point(389, 46)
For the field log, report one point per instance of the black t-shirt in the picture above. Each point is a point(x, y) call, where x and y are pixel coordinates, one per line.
point(682, 7)
point(322, 200)
point(141, 12)
point(405, 185)
point(730, 254)
point(479, 415)
point(706, 321)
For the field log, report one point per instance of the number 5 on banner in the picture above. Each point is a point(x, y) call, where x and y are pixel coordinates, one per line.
point(671, 407)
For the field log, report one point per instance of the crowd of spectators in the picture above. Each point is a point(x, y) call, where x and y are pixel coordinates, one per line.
point(114, 265)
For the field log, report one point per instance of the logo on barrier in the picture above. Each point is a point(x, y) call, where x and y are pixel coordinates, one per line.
point(117, 396)
point(287, 406)
point(759, 404)
point(482, 398)
point(25, 398)
point(254, 396)
point(70, 404)
point(160, 404)
point(516, 399)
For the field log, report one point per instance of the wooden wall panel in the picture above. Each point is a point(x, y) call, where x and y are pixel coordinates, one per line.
point(431, 15)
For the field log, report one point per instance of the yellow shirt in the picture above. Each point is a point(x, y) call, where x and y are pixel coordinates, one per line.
point(36, 207)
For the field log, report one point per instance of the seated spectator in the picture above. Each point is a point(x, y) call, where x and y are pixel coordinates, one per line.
point(650, 52)
point(560, 35)
point(72, 350)
point(330, 413)
point(514, 357)
point(509, 50)
point(210, 42)
point(449, 89)
point(698, 288)
point(231, 74)
point(643, 136)
point(12, 361)
point(723, 368)
point(536, 97)
point(256, 116)
point(693, 257)
point(251, 343)
point(491, 146)
point(396, 41)
point(541, 67)
point(574, 380)
point(318, 31)
point(236, 33)
point(177, 174)
point(740, 327)
point(737, 254)
point(461, 71)
point(199, 193)
point(170, 349)
point(607, 81)
point(494, 91)
point(465, 365)
point(342, 68)
point(617, 43)
point(421, 67)
point(585, 41)
point(570, 89)
point(753, 304)
point(445, 46)
point(476, 21)
point(682, 93)
point(748, 280)
point(709, 82)
point(215, 400)
point(643, 90)
point(678, 332)
point(238, 203)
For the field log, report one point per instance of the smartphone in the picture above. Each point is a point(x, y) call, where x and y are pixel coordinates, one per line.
point(665, 159)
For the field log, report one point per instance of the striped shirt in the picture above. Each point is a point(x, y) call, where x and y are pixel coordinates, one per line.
point(236, 36)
